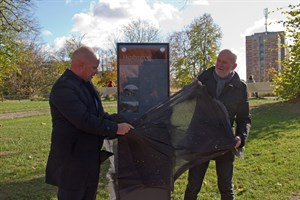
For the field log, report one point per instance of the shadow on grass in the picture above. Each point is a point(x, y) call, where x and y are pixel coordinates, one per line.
point(37, 189)
point(34, 189)
point(270, 120)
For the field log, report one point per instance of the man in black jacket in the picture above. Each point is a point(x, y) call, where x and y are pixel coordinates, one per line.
point(79, 127)
point(223, 84)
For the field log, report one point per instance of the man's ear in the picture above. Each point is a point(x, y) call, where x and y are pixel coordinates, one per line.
point(234, 65)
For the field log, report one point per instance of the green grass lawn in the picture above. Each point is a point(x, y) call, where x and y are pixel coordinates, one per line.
point(269, 170)
point(23, 105)
point(27, 105)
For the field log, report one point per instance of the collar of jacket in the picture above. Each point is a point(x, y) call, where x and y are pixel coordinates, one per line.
point(77, 80)
point(72, 75)
point(234, 82)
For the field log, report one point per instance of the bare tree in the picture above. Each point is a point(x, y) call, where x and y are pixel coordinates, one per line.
point(70, 45)
point(140, 31)
point(16, 15)
point(62, 57)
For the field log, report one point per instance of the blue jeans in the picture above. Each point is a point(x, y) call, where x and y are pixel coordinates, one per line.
point(224, 169)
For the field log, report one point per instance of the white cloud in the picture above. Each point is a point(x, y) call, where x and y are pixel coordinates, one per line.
point(60, 41)
point(70, 1)
point(105, 18)
point(82, 21)
point(109, 10)
point(47, 48)
point(47, 33)
point(199, 2)
point(259, 26)
point(166, 16)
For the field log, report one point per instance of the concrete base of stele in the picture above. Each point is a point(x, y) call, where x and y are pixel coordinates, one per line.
point(146, 194)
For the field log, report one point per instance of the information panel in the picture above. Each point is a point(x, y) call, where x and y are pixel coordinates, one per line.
point(143, 82)
point(143, 77)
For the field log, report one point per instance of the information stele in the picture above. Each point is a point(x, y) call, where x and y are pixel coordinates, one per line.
point(143, 77)
point(143, 82)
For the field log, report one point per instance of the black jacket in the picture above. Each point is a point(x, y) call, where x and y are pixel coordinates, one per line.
point(79, 127)
point(235, 98)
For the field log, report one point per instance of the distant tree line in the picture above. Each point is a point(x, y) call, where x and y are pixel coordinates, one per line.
point(28, 69)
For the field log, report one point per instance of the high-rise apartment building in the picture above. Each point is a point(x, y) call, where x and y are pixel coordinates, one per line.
point(263, 53)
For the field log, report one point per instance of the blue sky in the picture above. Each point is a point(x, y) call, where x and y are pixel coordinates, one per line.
point(101, 19)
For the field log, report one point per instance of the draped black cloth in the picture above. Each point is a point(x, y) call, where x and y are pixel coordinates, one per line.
point(187, 129)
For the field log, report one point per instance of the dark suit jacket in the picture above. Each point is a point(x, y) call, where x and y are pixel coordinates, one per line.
point(79, 127)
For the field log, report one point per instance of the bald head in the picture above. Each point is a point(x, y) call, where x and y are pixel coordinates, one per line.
point(81, 55)
point(84, 63)
point(229, 54)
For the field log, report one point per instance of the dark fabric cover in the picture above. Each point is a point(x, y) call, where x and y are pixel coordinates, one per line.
point(185, 130)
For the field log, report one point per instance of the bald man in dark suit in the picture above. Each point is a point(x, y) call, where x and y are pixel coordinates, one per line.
point(79, 127)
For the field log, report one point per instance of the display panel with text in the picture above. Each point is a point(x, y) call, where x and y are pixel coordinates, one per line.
point(143, 77)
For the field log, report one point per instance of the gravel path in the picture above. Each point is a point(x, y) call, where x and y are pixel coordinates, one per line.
point(33, 113)
point(22, 114)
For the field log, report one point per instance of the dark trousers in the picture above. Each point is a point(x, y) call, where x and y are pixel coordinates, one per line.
point(224, 169)
point(88, 193)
